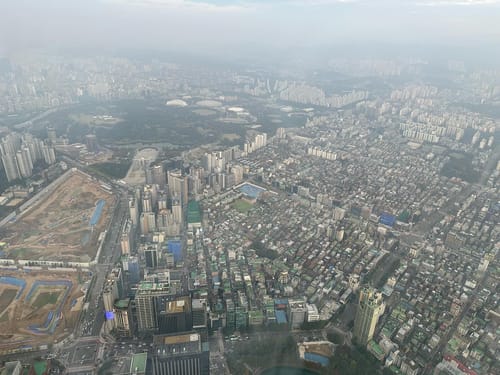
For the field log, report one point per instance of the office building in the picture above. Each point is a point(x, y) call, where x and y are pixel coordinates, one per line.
point(152, 254)
point(312, 313)
point(199, 312)
point(370, 308)
point(236, 316)
point(149, 298)
point(130, 265)
point(113, 289)
point(297, 311)
point(174, 247)
point(175, 316)
point(123, 318)
point(180, 354)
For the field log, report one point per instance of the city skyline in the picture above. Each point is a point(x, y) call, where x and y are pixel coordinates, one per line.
point(227, 187)
point(200, 27)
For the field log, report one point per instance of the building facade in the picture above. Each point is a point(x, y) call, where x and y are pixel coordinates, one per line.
point(370, 307)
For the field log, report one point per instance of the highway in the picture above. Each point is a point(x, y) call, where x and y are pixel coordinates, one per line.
point(92, 320)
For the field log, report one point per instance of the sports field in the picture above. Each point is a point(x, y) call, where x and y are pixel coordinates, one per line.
point(64, 225)
point(242, 205)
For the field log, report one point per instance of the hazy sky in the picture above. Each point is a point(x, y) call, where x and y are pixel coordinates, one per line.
point(224, 25)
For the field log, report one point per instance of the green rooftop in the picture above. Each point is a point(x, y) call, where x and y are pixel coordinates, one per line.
point(376, 348)
point(40, 367)
point(139, 363)
point(146, 285)
point(122, 303)
point(149, 285)
point(193, 214)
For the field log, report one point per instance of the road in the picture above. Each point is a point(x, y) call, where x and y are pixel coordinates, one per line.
point(40, 116)
point(92, 320)
point(218, 363)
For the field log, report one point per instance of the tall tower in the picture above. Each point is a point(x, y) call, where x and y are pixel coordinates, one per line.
point(370, 307)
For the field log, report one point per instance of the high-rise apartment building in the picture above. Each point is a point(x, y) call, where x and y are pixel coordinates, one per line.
point(133, 211)
point(158, 176)
point(24, 162)
point(51, 135)
point(126, 237)
point(10, 165)
point(177, 210)
point(177, 185)
point(91, 142)
point(49, 155)
point(19, 154)
point(147, 222)
point(370, 308)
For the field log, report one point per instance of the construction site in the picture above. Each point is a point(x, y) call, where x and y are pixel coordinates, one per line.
point(62, 224)
point(39, 307)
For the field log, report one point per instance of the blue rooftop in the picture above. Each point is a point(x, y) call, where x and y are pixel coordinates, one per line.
point(317, 358)
point(250, 190)
point(280, 317)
